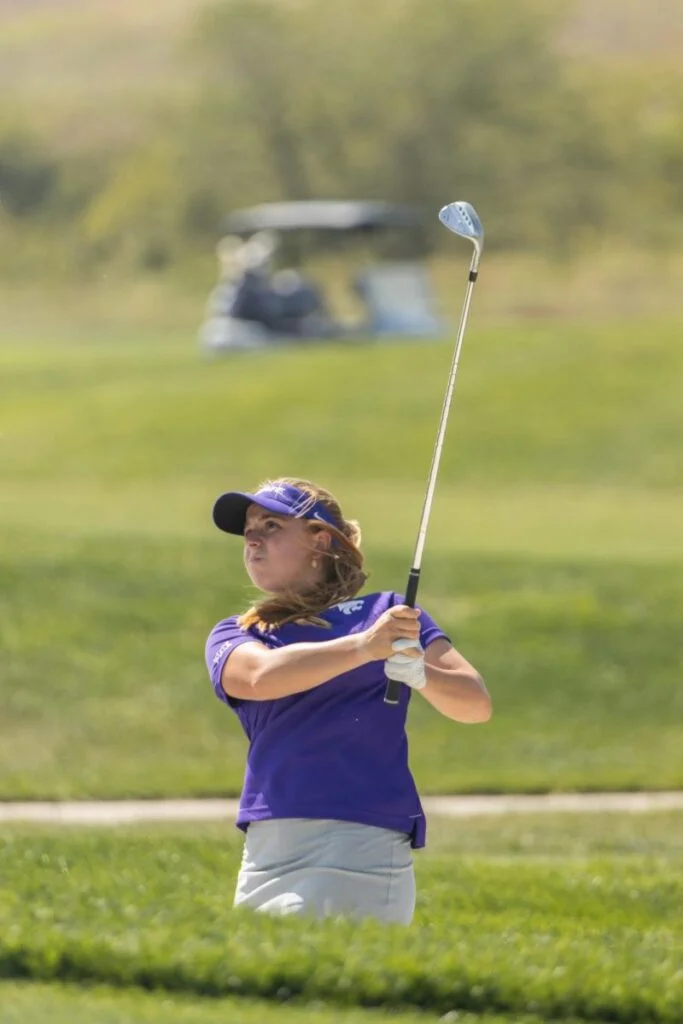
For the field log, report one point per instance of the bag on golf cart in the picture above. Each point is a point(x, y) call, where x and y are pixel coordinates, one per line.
point(254, 305)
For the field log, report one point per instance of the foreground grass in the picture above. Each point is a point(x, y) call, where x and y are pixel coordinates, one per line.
point(31, 1003)
point(566, 917)
point(28, 1003)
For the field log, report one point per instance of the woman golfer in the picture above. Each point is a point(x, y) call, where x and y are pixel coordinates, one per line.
point(329, 805)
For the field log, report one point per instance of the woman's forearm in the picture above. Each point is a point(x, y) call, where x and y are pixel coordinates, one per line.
point(267, 674)
point(457, 694)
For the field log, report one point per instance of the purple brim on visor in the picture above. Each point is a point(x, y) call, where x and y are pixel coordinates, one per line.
point(230, 509)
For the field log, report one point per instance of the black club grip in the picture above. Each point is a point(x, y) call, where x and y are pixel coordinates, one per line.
point(392, 693)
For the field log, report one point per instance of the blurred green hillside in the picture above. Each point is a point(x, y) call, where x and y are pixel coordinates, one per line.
point(627, 30)
point(71, 56)
point(127, 130)
point(79, 66)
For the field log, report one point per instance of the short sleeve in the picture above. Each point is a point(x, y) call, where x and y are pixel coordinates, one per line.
point(429, 630)
point(223, 639)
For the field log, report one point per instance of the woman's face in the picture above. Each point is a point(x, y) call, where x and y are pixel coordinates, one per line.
point(279, 551)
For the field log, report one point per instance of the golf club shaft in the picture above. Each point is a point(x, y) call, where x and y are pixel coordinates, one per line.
point(393, 688)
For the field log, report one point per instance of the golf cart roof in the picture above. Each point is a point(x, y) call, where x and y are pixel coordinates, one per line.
point(314, 214)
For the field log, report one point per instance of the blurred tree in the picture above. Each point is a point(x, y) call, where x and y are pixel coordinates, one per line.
point(423, 101)
point(414, 100)
point(255, 51)
point(28, 177)
point(666, 143)
point(136, 211)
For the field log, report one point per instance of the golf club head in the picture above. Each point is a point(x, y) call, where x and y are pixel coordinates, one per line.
point(462, 219)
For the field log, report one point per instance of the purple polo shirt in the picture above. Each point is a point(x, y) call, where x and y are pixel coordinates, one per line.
point(336, 751)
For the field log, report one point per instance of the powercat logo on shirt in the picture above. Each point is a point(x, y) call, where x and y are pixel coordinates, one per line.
point(349, 607)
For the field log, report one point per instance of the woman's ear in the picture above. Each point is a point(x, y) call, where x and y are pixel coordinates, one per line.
point(322, 540)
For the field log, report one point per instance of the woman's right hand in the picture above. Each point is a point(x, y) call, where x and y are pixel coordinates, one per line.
point(396, 623)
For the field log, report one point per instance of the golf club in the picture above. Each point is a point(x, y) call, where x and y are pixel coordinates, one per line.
point(460, 218)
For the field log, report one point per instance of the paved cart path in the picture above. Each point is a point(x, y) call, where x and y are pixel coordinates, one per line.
point(119, 812)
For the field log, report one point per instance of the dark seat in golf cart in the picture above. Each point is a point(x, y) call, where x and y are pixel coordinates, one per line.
point(256, 305)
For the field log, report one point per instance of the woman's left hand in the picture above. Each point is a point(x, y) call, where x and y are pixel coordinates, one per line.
point(407, 668)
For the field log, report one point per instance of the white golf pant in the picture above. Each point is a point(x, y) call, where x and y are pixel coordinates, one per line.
point(327, 868)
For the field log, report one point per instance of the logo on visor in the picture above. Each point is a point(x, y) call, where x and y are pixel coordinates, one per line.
point(279, 490)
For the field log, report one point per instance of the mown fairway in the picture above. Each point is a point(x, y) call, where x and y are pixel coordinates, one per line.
point(29, 1003)
point(573, 917)
point(554, 558)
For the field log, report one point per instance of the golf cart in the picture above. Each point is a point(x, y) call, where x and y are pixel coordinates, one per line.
point(259, 301)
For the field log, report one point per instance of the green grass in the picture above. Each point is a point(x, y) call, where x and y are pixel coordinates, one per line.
point(558, 406)
point(30, 1003)
point(557, 917)
point(105, 692)
point(553, 556)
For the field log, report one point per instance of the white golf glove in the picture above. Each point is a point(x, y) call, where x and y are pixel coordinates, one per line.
point(404, 669)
